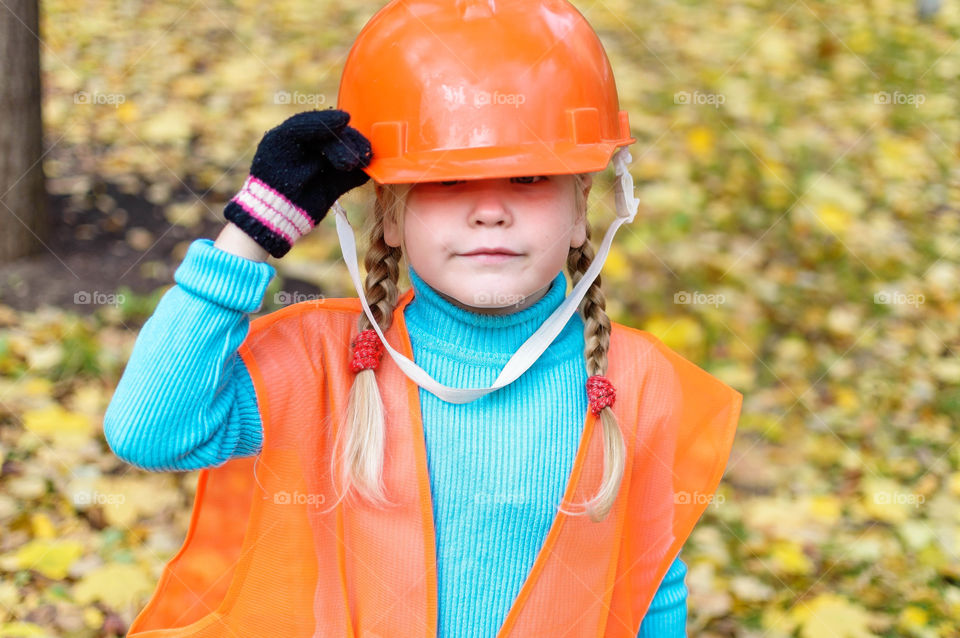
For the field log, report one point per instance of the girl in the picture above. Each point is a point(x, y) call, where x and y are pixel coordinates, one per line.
point(338, 497)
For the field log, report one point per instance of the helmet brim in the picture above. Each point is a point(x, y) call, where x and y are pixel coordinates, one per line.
point(494, 161)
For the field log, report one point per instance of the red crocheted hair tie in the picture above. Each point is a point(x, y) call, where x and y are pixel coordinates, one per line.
point(601, 393)
point(367, 350)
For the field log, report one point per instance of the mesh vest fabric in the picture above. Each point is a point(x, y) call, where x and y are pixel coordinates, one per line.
point(266, 554)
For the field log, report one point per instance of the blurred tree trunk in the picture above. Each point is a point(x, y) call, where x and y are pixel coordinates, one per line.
point(23, 215)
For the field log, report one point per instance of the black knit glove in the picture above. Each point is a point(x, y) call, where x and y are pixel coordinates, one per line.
point(300, 169)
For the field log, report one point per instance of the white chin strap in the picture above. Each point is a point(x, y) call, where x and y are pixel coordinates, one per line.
point(533, 347)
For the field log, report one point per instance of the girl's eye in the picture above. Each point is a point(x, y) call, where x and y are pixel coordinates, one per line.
point(527, 179)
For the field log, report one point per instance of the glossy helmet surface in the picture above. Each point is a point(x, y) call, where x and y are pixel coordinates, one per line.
point(470, 89)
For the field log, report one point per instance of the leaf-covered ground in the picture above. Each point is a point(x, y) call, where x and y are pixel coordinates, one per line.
point(799, 236)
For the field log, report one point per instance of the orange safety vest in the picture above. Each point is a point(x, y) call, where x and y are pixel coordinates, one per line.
point(264, 558)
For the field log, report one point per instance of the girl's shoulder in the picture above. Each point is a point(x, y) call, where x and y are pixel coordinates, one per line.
point(326, 314)
point(306, 336)
point(308, 324)
point(645, 342)
point(690, 382)
point(649, 353)
point(314, 307)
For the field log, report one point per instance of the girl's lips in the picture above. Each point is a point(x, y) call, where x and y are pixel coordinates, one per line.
point(490, 258)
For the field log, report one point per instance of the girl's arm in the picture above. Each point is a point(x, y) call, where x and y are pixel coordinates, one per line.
point(667, 615)
point(185, 399)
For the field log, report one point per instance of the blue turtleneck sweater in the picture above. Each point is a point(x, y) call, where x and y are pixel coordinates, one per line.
point(498, 465)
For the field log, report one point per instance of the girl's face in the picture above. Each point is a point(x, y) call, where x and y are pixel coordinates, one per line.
point(536, 218)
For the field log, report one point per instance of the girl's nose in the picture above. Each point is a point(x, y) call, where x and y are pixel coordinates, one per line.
point(489, 209)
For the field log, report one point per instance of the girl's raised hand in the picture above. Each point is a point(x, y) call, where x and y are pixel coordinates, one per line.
point(300, 169)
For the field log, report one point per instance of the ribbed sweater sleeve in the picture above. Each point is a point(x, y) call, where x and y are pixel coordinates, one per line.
point(185, 400)
point(667, 615)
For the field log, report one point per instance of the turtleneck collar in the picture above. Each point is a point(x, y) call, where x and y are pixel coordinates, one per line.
point(439, 324)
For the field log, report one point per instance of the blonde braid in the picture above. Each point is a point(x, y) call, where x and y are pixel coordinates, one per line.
point(596, 333)
point(363, 435)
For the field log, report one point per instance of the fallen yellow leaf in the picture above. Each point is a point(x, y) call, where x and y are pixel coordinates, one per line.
point(52, 558)
point(834, 616)
point(42, 526)
point(59, 424)
point(93, 618)
point(913, 617)
point(789, 557)
point(22, 630)
point(835, 218)
point(119, 585)
point(701, 142)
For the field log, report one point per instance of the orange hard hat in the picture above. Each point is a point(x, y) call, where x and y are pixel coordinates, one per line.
point(469, 89)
